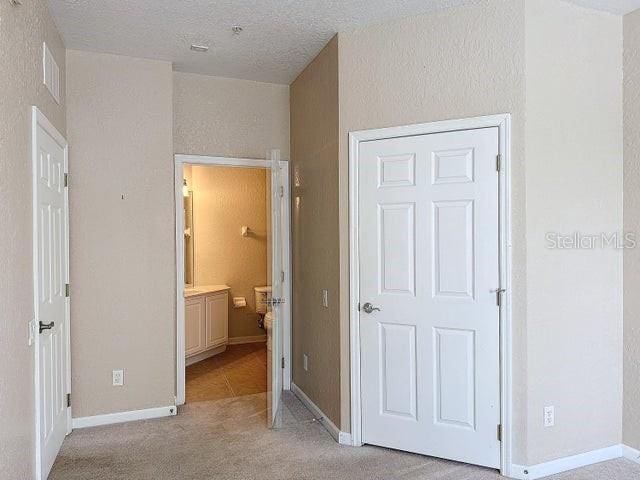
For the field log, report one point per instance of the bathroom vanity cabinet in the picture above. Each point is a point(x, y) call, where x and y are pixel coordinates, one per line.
point(206, 321)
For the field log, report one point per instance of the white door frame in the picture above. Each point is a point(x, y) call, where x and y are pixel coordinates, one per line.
point(180, 161)
point(503, 123)
point(39, 119)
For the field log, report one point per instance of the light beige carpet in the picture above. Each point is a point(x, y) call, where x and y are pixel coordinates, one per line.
point(227, 439)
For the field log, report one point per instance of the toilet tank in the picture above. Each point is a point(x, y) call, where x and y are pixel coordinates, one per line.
point(263, 296)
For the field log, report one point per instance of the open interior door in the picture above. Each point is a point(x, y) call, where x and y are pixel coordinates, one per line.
point(51, 292)
point(275, 324)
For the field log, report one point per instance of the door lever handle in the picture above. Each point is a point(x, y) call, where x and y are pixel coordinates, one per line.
point(369, 308)
point(46, 326)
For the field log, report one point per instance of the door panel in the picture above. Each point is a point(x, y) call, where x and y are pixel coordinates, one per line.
point(398, 369)
point(428, 246)
point(453, 265)
point(397, 248)
point(454, 360)
point(51, 274)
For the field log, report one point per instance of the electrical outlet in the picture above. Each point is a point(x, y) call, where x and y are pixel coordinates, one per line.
point(118, 378)
point(549, 416)
point(305, 362)
point(325, 298)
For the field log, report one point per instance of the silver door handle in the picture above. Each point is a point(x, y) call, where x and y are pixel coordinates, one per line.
point(369, 308)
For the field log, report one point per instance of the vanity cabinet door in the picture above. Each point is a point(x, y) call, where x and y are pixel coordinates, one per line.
point(194, 326)
point(217, 320)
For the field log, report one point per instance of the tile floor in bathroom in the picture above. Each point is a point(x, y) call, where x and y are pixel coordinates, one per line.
point(240, 370)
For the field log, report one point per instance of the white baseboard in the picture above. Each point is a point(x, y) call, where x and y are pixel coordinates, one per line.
point(631, 454)
point(251, 339)
point(343, 438)
point(204, 355)
point(120, 417)
point(560, 465)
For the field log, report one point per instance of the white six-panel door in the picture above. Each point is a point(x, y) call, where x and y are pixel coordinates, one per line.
point(428, 255)
point(51, 262)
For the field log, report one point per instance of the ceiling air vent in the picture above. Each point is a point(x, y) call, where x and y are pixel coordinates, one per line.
point(199, 48)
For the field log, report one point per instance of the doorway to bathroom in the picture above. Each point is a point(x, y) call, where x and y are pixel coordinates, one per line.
point(233, 283)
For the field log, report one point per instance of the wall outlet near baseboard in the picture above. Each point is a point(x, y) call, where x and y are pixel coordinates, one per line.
point(549, 416)
point(118, 378)
point(305, 362)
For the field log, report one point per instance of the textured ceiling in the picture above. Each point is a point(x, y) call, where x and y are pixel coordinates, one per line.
point(280, 36)
point(620, 7)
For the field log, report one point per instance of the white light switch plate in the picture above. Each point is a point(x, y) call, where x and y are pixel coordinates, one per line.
point(325, 298)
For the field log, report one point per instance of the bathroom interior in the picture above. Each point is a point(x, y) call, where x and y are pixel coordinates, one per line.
point(227, 266)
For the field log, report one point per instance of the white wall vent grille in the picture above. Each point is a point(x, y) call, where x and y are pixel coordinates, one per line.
point(51, 73)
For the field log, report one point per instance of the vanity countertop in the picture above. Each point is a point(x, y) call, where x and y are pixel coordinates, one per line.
point(204, 290)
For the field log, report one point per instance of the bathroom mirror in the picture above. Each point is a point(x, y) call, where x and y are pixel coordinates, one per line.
point(188, 240)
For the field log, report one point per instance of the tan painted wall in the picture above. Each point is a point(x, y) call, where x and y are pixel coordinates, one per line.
point(225, 199)
point(507, 70)
point(315, 235)
point(228, 117)
point(574, 183)
point(631, 418)
point(122, 232)
point(22, 31)
point(382, 84)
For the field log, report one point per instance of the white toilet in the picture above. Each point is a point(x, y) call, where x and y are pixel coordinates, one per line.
point(268, 326)
point(263, 297)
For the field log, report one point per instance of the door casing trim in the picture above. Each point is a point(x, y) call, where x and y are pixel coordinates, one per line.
point(503, 123)
point(39, 119)
point(179, 161)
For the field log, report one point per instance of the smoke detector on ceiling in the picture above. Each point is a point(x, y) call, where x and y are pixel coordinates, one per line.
point(200, 48)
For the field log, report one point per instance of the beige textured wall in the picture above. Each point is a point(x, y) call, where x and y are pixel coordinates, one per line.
point(397, 74)
point(570, 132)
point(574, 183)
point(122, 232)
point(225, 199)
point(315, 235)
point(631, 418)
point(228, 117)
point(22, 31)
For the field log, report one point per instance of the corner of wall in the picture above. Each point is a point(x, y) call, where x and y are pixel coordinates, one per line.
point(563, 120)
point(631, 395)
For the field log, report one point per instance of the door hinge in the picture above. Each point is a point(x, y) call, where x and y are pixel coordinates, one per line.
point(498, 162)
point(282, 363)
point(281, 191)
point(66, 290)
point(66, 179)
point(282, 276)
point(499, 292)
point(68, 400)
point(499, 432)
